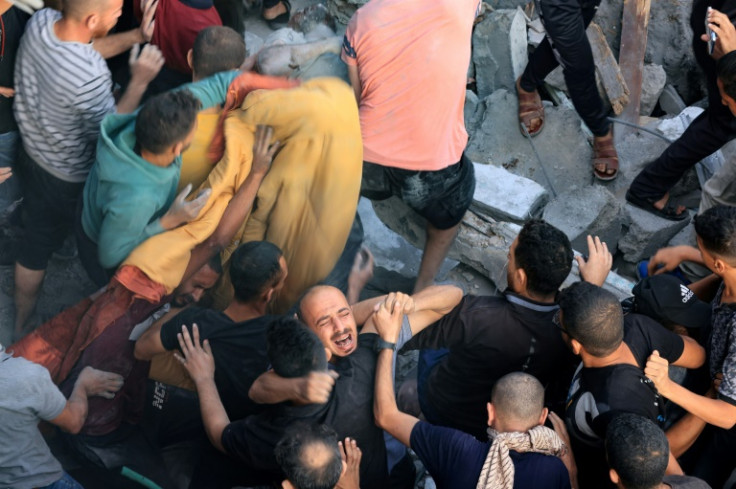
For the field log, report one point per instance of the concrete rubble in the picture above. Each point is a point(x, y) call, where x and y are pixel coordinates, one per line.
point(550, 176)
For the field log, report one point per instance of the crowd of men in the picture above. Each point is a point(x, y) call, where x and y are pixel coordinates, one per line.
point(216, 210)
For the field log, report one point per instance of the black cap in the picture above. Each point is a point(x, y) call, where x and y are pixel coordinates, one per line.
point(665, 297)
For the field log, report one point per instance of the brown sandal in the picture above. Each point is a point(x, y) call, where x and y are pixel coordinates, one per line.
point(530, 108)
point(604, 153)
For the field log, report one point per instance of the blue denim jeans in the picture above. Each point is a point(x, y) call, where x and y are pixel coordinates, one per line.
point(10, 189)
point(65, 482)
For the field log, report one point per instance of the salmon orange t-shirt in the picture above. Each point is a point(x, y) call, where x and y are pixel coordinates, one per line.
point(412, 58)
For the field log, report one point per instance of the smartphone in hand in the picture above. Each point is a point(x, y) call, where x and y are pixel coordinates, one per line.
point(711, 35)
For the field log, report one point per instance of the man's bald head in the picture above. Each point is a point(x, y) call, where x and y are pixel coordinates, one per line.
point(518, 399)
point(325, 310)
point(310, 457)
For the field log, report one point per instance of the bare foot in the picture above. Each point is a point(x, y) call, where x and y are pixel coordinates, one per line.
point(360, 274)
point(275, 11)
point(100, 383)
point(663, 202)
point(535, 123)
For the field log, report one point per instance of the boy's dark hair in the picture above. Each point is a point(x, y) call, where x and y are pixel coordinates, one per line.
point(253, 268)
point(217, 48)
point(215, 263)
point(716, 229)
point(726, 71)
point(545, 254)
point(593, 316)
point(637, 449)
point(165, 120)
point(309, 456)
point(294, 350)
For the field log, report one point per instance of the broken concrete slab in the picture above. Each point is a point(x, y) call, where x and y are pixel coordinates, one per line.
point(670, 101)
point(634, 153)
point(482, 243)
point(646, 234)
point(653, 82)
point(505, 196)
point(499, 141)
point(473, 111)
point(591, 211)
point(499, 50)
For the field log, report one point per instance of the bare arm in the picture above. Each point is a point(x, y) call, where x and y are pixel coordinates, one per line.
point(428, 306)
point(683, 433)
point(91, 382)
point(200, 364)
point(355, 81)
point(714, 411)
point(143, 69)
point(115, 44)
point(693, 355)
point(706, 288)
point(314, 388)
point(388, 320)
point(149, 344)
point(240, 205)
point(669, 258)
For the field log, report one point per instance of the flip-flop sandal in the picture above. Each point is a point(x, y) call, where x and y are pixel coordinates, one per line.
point(604, 153)
point(282, 19)
point(530, 108)
point(668, 212)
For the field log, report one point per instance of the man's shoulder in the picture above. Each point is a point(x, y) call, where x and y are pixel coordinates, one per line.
point(538, 470)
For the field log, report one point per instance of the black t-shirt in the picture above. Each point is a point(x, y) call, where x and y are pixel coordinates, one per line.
point(349, 411)
point(239, 350)
point(11, 29)
point(599, 394)
point(455, 459)
point(489, 337)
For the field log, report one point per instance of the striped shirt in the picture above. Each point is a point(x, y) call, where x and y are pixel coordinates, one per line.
point(63, 91)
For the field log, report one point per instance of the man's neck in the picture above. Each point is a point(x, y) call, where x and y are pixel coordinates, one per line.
point(729, 287)
point(162, 161)
point(239, 311)
point(69, 30)
point(542, 299)
point(622, 355)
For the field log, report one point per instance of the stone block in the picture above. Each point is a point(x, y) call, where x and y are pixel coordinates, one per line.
point(561, 145)
point(652, 85)
point(670, 101)
point(591, 211)
point(482, 243)
point(504, 196)
point(686, 236)
point(646, 234)
point(499, 50)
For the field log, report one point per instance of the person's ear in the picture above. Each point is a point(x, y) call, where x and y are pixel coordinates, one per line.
point(614, 476)
point(719, 265)
point(91, 22)
point(521, 278)
point(268, 295)
point(287, 485)
point(576, 346)
point(543, 416)
point(190, 59)
point(491, 414)
point(177, 148)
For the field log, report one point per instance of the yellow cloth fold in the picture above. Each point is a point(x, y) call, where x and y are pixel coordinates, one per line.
point(306, 203)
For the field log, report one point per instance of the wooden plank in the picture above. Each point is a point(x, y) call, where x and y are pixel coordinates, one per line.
point(608, 69)
point(631, 58)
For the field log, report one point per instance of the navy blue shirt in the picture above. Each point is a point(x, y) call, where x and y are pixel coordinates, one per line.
point(455, 459)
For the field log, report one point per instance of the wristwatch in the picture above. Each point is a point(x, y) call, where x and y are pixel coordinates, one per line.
point(382, 344)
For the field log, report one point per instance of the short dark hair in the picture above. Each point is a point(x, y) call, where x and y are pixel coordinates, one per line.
point(217, 48)
point(293, 349)
point(254, 267)
point(726, 71)
point(716, 228)
point(637, 449)
point(545, 255)
point(309, 456)
point(518, 396)
point(593, 316)
point(166, 119)
point(215, 263)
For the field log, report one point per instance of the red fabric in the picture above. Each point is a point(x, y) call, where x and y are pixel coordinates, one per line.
point(240, 87)
point(58, 343)
point(177, 25)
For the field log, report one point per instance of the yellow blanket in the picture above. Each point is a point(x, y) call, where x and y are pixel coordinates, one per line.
point(307, 202)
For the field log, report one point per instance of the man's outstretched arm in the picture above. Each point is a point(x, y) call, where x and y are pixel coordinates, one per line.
point(388, 320)
point(200, 364)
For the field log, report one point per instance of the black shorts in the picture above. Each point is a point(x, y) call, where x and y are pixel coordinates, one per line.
point(49, 207)
point(441, 196)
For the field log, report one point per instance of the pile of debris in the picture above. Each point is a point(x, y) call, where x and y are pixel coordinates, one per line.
point(551, 176)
